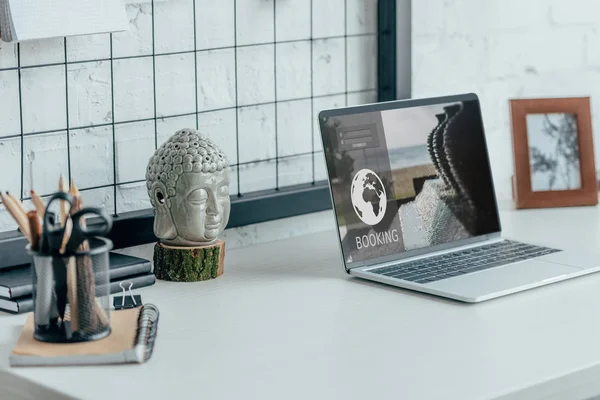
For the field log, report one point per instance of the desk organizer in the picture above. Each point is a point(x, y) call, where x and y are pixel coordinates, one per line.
point(71, 294)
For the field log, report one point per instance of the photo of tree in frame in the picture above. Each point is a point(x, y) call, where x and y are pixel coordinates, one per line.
point(553, 152)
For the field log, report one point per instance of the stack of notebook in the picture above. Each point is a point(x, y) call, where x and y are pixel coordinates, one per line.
point(16, 283)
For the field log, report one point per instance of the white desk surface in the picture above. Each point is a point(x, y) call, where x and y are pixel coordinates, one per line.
point(286, 322)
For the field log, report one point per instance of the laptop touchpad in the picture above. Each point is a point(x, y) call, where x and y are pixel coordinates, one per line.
point(504, 278)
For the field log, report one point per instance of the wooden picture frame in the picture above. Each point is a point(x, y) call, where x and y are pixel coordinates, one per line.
point(553, 152)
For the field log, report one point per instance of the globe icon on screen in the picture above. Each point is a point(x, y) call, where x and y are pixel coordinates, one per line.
point(368, 197)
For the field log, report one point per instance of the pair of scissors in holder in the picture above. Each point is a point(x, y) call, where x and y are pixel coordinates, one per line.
point(53, 236)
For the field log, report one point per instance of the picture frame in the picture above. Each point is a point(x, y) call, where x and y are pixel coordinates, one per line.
point(553, 153)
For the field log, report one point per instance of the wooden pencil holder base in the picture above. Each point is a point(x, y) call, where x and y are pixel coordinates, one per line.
point(189, 264)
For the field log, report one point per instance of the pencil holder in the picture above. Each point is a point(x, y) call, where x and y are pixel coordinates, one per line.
point(71, 294)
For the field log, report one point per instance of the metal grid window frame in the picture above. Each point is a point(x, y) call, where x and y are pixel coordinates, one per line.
point(134, 228)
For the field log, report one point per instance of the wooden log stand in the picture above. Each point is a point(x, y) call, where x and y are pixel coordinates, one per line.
point(189, 264)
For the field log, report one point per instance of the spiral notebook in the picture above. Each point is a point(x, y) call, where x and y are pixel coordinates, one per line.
point(131, 341)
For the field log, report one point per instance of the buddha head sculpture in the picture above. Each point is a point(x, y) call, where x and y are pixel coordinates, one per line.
point(189, 189)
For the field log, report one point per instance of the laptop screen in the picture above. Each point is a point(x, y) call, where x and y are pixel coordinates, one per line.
point(408, 177)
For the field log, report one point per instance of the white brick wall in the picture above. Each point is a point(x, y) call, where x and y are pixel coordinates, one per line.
point(274, 81)
point(503, 49)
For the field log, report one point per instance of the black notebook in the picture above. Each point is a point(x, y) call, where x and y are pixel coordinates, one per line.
point(16, 282)
point(25, 304)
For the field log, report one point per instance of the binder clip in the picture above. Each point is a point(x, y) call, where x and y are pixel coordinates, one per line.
point(124, 301)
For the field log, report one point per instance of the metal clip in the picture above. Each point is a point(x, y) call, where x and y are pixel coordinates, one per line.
point(130, 301)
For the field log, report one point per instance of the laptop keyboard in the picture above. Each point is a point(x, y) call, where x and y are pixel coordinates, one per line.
point(462, 262)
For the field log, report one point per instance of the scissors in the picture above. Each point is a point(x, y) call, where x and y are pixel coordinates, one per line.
point(53, 236)
point(53, 233)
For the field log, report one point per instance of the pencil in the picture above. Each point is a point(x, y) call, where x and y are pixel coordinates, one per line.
point(16, 212)
point(64, 206)
point(22, 212)
point(72, 293)
point(38, 203)
point(73, 190)
point(35, 229)
point(72, 275)
point(18, 203)
point(66, 236)
point(87, 304)
point(69, 223)
point(78, 205)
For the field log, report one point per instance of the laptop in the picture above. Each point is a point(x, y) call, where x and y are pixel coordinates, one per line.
point(415, 207)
